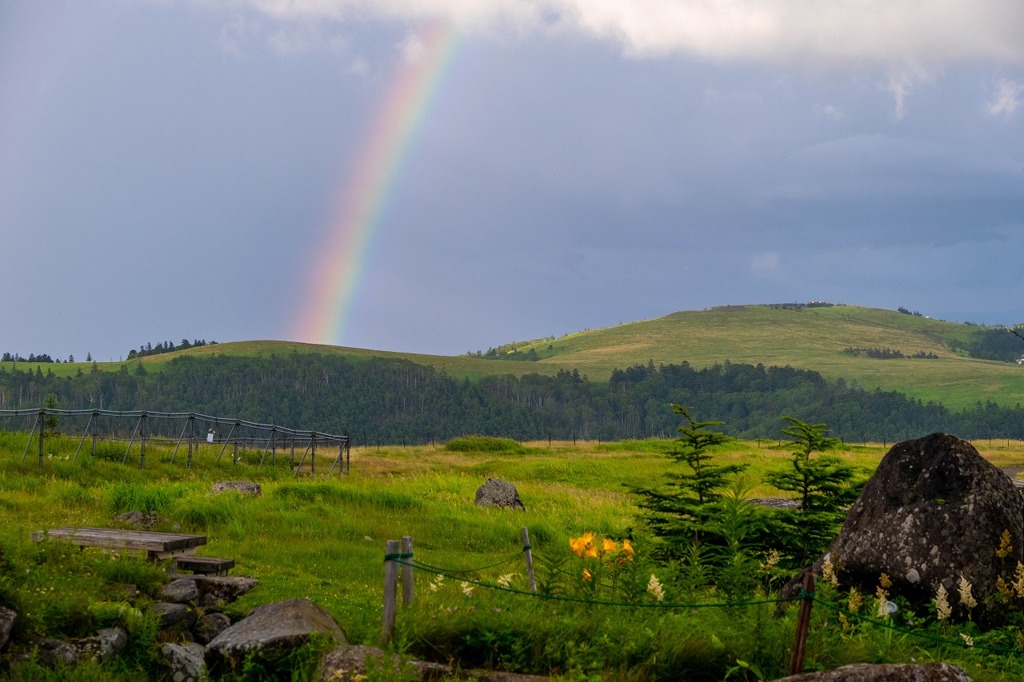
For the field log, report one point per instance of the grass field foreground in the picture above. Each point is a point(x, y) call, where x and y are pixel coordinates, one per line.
point(323, 537)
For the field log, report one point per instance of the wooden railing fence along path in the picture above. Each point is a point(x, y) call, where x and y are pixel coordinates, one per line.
point(144, 426)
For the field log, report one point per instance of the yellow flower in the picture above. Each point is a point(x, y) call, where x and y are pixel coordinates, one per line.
point(856, 599)
point(583, 545)
point(627, 547)
point(609, 546)
point(591, 552)
point(587, 575)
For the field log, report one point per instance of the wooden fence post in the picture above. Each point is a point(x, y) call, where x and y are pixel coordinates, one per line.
point(407, 584)
point(803, 622)
point(525, 535)
point(390, 591)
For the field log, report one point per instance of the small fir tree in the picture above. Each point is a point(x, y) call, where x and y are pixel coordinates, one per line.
point(825, 486)
point(688, 510)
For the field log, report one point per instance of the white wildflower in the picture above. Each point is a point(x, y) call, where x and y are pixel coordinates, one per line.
point(942, 608)
point(655, 588)
point(966, 598)
point(467, 589)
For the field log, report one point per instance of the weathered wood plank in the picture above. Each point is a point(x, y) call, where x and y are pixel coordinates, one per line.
point(151, 541)
point(204, 564)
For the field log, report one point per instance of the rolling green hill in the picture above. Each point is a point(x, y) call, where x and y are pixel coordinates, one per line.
point(812, 338)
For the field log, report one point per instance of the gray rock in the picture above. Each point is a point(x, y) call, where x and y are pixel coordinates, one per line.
point(7, 620)
point(56, 652)
point(137, 519)
point(180, 591)
point(226, 588)
point(242, 487)
point(185, 661)
point(933, 512)
point(170, 614)
point(498, 493)
point(105, 645)
point(269, 632)
point(209, 626)
point(885, 672)
point(355, 663)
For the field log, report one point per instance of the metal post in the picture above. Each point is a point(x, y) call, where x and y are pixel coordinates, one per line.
point(42, 430)
point(29, 441)
point(191, 437)
point(142, 442)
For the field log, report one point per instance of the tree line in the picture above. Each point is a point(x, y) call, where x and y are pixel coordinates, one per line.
point(381, 400)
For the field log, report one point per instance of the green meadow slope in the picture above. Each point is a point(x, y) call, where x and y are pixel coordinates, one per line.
point(809, 338)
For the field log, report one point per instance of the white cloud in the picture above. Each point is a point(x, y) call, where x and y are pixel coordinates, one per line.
point(900, 84)
point(816, 33)
point(832, 111)
point(358, 67)
point(233, 36)
point(411, 48)
point(764, 262)
point(1008, 100)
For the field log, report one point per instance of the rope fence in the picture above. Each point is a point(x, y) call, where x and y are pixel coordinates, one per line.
point(393, 558)
point(180, 428)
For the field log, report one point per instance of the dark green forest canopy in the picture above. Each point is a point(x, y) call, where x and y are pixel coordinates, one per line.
point(380, 400)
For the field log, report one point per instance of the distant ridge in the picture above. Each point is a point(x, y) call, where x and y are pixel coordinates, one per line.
point(817, 336)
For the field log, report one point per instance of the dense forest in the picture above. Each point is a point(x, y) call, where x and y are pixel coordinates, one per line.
point(393, 401)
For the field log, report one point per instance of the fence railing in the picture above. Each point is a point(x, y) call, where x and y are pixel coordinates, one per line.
point(399, 555)
point(142, 426)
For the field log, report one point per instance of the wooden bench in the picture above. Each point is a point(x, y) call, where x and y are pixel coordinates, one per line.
point(204, 564)
point(156, 545)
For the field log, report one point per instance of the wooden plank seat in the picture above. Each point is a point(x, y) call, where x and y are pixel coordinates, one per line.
point(204, 564)
point(156, 545)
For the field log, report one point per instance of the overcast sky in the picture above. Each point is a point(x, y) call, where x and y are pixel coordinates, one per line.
point(177, 168)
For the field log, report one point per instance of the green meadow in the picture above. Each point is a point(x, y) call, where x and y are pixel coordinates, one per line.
point(322, 536)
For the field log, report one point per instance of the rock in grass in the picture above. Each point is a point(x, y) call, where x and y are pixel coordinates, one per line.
point(242, 487)
point(209, 626)
point(180, 591)
point(137, 519)
point(934, 513)
point(270, 633)
point(7, 620)
point(498, 493)
point(105, 645)
point(185, 661)
point(887, 672)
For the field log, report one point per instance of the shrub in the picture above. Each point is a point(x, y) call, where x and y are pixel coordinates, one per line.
point(483, 444)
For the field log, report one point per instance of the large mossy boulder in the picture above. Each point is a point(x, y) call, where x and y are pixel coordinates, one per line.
point(935, 513)
point(270, 634)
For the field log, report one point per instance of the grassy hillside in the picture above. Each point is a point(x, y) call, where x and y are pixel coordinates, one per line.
point(807, 338)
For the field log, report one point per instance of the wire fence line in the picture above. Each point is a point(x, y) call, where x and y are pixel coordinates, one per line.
point(183, 429)
point(965, 642)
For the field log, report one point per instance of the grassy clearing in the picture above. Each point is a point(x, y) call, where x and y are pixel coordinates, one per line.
point(323, 537)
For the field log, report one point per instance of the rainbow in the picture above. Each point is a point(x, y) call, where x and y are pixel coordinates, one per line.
point(361, 202)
